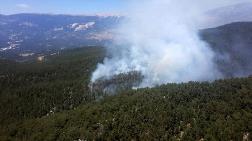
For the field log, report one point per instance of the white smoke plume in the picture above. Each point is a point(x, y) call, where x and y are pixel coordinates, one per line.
point(160, 39)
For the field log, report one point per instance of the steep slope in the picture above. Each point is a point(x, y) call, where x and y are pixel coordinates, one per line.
point(232, 44)
point(192, 111)
point(35, 88)
point(34, 95)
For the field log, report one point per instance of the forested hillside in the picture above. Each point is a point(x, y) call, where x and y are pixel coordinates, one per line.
point(37, 88)
point(51, 100)
point(232, 46)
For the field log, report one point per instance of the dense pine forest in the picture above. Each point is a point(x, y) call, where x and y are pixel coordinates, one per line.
point(35, 88)
point(51, 100)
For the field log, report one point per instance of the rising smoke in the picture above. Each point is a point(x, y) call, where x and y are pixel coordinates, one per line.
point(159, 39)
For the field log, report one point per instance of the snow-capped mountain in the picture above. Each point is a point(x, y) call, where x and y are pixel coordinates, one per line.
point(34, 33)
point(38, 32)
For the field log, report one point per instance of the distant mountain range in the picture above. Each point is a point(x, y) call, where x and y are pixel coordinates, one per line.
point(25, 35)
point(228, 14)
point(39, 32)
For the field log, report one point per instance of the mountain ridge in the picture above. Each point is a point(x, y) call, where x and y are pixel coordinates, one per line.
point(228, 14)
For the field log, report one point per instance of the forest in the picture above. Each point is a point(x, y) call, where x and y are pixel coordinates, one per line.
point(34, 88)
point(51, 100)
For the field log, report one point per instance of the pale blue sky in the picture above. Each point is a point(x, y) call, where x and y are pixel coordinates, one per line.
point(62, 6)
point(84, 6)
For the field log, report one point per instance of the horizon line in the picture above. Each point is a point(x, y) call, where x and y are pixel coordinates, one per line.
point(58, 14)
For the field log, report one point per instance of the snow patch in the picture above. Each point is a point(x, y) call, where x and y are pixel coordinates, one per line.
point(101, 36)
point(74, 25)
point(82, 27)
point(28, 24)
point(58, 29)
point(11, 46)
point(26, 54)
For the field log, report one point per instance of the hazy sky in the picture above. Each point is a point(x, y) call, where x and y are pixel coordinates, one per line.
point(85, 6)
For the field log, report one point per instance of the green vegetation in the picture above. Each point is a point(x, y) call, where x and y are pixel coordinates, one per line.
point(221, 110)
point(33, 89)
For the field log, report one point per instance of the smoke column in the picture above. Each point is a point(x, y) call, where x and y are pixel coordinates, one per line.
point(159, 39)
